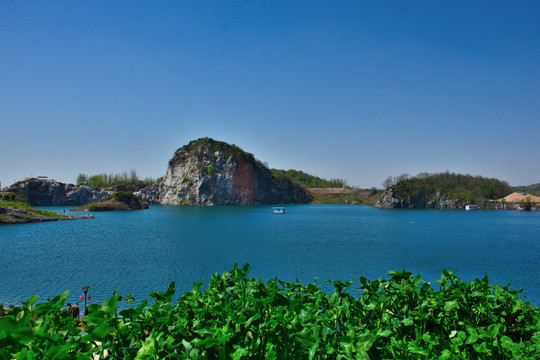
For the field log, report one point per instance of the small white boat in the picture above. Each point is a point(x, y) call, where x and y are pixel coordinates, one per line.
point(471, 207)
point(278, 210)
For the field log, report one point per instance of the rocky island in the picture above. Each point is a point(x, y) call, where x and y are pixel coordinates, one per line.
point(118, 201)
point(452, 191)
point(16, 212)
point(207, 172)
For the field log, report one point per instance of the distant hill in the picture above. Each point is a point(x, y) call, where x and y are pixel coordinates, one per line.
point(441, 190)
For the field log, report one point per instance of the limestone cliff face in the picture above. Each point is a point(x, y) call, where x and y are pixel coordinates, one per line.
point(209, 172)
point(39, 192)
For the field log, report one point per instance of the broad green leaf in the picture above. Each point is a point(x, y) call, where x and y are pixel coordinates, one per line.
point(365, 341)
point(506, 342)
point(187, 346)
point(147, 350)
point(480, 347)
point(24, 355)
point(101, 331)
point(445, 354)
point(57, 352)
point(449, 305)
point(427, 338)
point(19, 316)
point(493, 330)
point(347, 347)
point(407, 321)
point(473, 335)
point(31, 301)
point(8, 324)
point(239, 353)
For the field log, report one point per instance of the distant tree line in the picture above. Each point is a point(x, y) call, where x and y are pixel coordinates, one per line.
point(112, 180)
point(531, 189)
point(309, 181)
point(462, 187)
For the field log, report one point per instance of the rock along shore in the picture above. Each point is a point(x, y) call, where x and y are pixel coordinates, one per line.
point(22, 215)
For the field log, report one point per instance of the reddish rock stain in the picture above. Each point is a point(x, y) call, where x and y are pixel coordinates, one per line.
point(244, 182)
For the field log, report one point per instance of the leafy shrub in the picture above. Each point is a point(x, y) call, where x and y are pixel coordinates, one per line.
point(9, 196)
point(238, 317)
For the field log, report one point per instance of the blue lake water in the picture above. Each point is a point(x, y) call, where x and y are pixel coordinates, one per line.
point(143, 251)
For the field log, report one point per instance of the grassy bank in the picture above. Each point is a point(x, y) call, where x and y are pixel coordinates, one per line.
point(13, 212)
point(17, 212)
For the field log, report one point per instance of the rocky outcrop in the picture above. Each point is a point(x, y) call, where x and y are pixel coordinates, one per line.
point(118, 201)
point(209, 172)
point(43, 192)
point(388, 200)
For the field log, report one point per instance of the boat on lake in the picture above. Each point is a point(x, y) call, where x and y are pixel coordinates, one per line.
point(278, 210)
point(471, 207)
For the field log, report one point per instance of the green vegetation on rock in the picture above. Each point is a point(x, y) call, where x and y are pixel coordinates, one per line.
point(24, 206)
point(309, 181)
point(122, 200)
point(465, 188)
point(237, 317)
point(18, 212)
point(207, 144)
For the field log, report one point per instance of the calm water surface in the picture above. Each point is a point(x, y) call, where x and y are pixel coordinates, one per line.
point(143, 251)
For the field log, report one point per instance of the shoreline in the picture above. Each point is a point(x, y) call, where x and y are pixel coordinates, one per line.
point(21, 213)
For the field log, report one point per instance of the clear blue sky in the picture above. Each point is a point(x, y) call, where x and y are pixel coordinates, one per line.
point(347, 89)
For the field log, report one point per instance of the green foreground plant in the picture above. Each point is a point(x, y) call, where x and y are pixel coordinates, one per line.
point(237, 317)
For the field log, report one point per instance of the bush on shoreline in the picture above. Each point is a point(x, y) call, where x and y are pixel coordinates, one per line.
point(237, 317)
